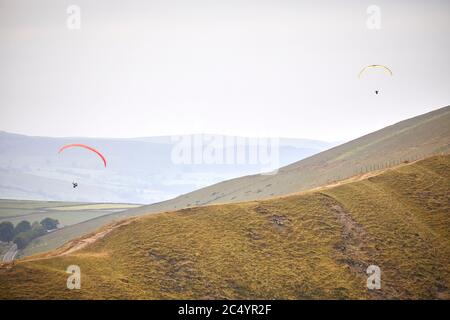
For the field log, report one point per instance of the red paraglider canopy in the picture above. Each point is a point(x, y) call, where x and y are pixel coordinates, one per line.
point(83, 146)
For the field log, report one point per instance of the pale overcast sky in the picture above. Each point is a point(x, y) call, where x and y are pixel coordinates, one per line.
point(252, 68)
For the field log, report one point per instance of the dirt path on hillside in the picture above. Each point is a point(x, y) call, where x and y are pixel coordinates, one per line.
point(354, 240)
point(359, 177)
point(80, 243)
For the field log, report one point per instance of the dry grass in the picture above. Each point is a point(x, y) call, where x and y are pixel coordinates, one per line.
point(306, 246)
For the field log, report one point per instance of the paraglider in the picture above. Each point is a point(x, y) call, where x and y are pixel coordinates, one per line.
point(375, 66)
point(86, 147)
point(75, 184)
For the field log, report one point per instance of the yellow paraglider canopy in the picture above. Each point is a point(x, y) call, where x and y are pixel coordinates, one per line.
point(375, 66)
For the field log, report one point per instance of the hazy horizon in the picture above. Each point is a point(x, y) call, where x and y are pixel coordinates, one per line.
point(167, 136)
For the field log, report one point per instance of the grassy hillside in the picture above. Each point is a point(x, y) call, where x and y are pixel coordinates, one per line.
point(412, 139)
point(59, 237)
point(304, 246)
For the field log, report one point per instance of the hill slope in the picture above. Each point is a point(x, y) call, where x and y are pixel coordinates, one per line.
point(411, 139)
point(311, 245)
point(414, 138)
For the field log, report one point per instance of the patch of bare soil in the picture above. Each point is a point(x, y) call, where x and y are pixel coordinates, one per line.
point(354, 249)
point(353, 245)
point(80, 243)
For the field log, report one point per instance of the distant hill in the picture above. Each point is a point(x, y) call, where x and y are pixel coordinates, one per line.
point(412, 139)
point(314, 245)
point(140, 170)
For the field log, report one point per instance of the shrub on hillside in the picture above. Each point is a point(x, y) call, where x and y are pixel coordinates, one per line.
point(22, 226)
point(23, 238)
point(6, 231)
point(24, 232)
point(49, 223)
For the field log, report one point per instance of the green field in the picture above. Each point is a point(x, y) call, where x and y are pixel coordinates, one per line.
point(68, 213)
point(314, 245)
point(96, 206)
point(16, 208)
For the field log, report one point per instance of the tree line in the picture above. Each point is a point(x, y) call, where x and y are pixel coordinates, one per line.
point(24, 231)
